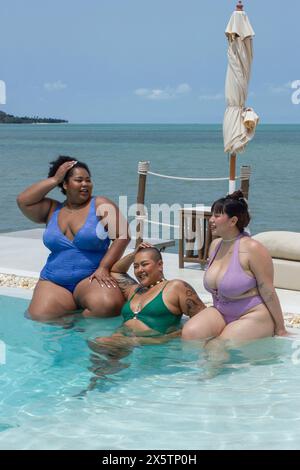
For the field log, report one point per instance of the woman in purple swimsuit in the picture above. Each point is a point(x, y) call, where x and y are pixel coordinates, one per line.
point(240, 278)
point(78, 234)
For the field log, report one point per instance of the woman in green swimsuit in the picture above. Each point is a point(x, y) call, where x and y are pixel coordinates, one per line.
point(154, 305)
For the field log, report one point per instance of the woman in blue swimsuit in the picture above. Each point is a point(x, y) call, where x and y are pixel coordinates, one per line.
point(78, 234)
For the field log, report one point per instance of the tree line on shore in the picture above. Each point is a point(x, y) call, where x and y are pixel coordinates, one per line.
point(10, 119)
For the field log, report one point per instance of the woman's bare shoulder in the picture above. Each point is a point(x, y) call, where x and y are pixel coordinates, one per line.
point(104, 206)
point(250, 242)
point(178, 285)
point(253, 246)
point(99, 200)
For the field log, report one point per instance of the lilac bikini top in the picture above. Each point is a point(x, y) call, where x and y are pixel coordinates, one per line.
point(235, 281)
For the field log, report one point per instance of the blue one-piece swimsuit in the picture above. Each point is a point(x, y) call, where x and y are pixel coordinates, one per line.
point(71, 261)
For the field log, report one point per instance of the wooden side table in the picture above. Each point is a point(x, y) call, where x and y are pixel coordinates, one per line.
point(198, 218)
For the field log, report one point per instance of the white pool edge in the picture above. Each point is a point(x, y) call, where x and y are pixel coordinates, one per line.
point(18, 292)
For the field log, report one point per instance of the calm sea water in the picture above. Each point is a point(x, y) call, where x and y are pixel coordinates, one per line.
point(113, 151)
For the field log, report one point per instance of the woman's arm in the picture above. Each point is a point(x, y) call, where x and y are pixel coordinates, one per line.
point(33, 202)
point(159, 339)
point(118, 345)
point(123, 264)
point(118, 231)
point(190, 302)
point(261, 265)
point(184, 298)
point(119, 271)
point(126, 283)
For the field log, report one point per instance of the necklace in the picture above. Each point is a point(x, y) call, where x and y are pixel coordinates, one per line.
point(69, 210)
point(157, 282)
point(231, 240)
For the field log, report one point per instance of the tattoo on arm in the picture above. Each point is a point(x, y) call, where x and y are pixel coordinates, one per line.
point(124, 282)
point(267, 294)
point(193, 304)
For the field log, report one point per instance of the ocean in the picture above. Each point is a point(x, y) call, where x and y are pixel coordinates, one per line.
point(113, 151)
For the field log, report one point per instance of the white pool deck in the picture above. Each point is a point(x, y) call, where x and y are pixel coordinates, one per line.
point(23, 254)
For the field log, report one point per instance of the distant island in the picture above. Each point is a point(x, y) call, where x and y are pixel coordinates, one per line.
point(10, 119)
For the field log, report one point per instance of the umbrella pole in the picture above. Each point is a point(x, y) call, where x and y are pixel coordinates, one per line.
point(232, 166)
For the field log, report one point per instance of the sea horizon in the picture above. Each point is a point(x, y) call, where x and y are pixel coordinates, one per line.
point(144, 123)
point(150, 124)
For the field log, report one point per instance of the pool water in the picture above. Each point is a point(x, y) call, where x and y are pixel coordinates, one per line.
point(158, 397)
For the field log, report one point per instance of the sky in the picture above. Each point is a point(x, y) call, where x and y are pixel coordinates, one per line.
point(143, 61)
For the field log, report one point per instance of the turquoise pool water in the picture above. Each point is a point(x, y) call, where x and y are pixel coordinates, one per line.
point(160, 398)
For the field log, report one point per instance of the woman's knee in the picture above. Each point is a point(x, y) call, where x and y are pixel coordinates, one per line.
point(38, 314)
point(47, 311)
point(202, 328)
point(190, 332)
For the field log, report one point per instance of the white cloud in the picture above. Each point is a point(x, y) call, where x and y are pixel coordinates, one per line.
point(166, 93)
point(278, 89)
point(55, 86)
point(183, 88)
point(214, 97)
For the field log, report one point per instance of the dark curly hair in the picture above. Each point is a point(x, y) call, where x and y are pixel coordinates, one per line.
point(234, 205)
point(58, 162)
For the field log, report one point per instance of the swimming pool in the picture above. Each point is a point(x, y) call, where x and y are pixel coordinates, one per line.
point(161, 399)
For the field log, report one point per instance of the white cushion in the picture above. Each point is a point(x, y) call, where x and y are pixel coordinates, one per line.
point(286, 274)
point(281, 245)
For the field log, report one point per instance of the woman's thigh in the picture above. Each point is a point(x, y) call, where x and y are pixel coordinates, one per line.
point(206, 324)
point(254, 325)
point(98, 301)
point(50, 301)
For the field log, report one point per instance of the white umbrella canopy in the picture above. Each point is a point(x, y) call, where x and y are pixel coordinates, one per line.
point(239, 122)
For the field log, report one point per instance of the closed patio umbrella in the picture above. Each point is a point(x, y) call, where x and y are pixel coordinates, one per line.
point(239, 121)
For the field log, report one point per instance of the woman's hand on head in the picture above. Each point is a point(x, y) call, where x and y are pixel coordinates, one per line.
point(143, 245)
point(102, 275)
point(62, 171)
